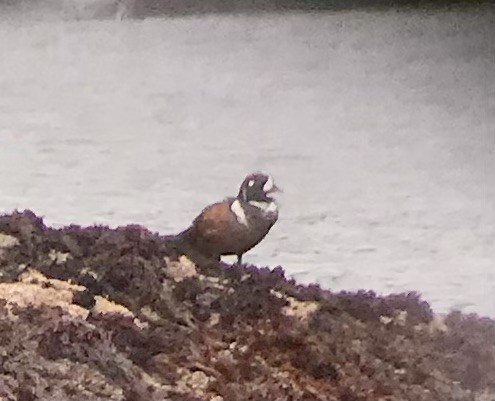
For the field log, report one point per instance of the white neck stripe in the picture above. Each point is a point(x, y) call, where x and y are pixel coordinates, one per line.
point(238, 211)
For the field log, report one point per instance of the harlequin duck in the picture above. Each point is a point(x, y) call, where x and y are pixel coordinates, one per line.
point(235, 225)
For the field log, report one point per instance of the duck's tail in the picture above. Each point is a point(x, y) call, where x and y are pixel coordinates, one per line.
point(184, 243)
point(180, 242)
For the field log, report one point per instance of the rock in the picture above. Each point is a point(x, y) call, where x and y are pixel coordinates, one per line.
point(180, 269)
point(115, 314)
point(7, 241)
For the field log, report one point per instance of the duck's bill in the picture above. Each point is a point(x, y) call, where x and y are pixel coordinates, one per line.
point(274, 189)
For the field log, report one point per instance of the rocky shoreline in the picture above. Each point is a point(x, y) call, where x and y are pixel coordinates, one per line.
point(117, 314)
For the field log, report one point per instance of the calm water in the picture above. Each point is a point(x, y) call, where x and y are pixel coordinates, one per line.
point(380, 127)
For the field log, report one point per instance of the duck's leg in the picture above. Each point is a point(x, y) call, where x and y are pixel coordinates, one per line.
point(239, 259)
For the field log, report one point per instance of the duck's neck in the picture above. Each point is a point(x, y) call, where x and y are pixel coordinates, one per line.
point(265, 206)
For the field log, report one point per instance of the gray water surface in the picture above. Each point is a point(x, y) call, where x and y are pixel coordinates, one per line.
point(380, 127)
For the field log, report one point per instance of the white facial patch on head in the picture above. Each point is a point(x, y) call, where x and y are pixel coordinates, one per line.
point(251, 183)
point(268, 185)
point(238, 211)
